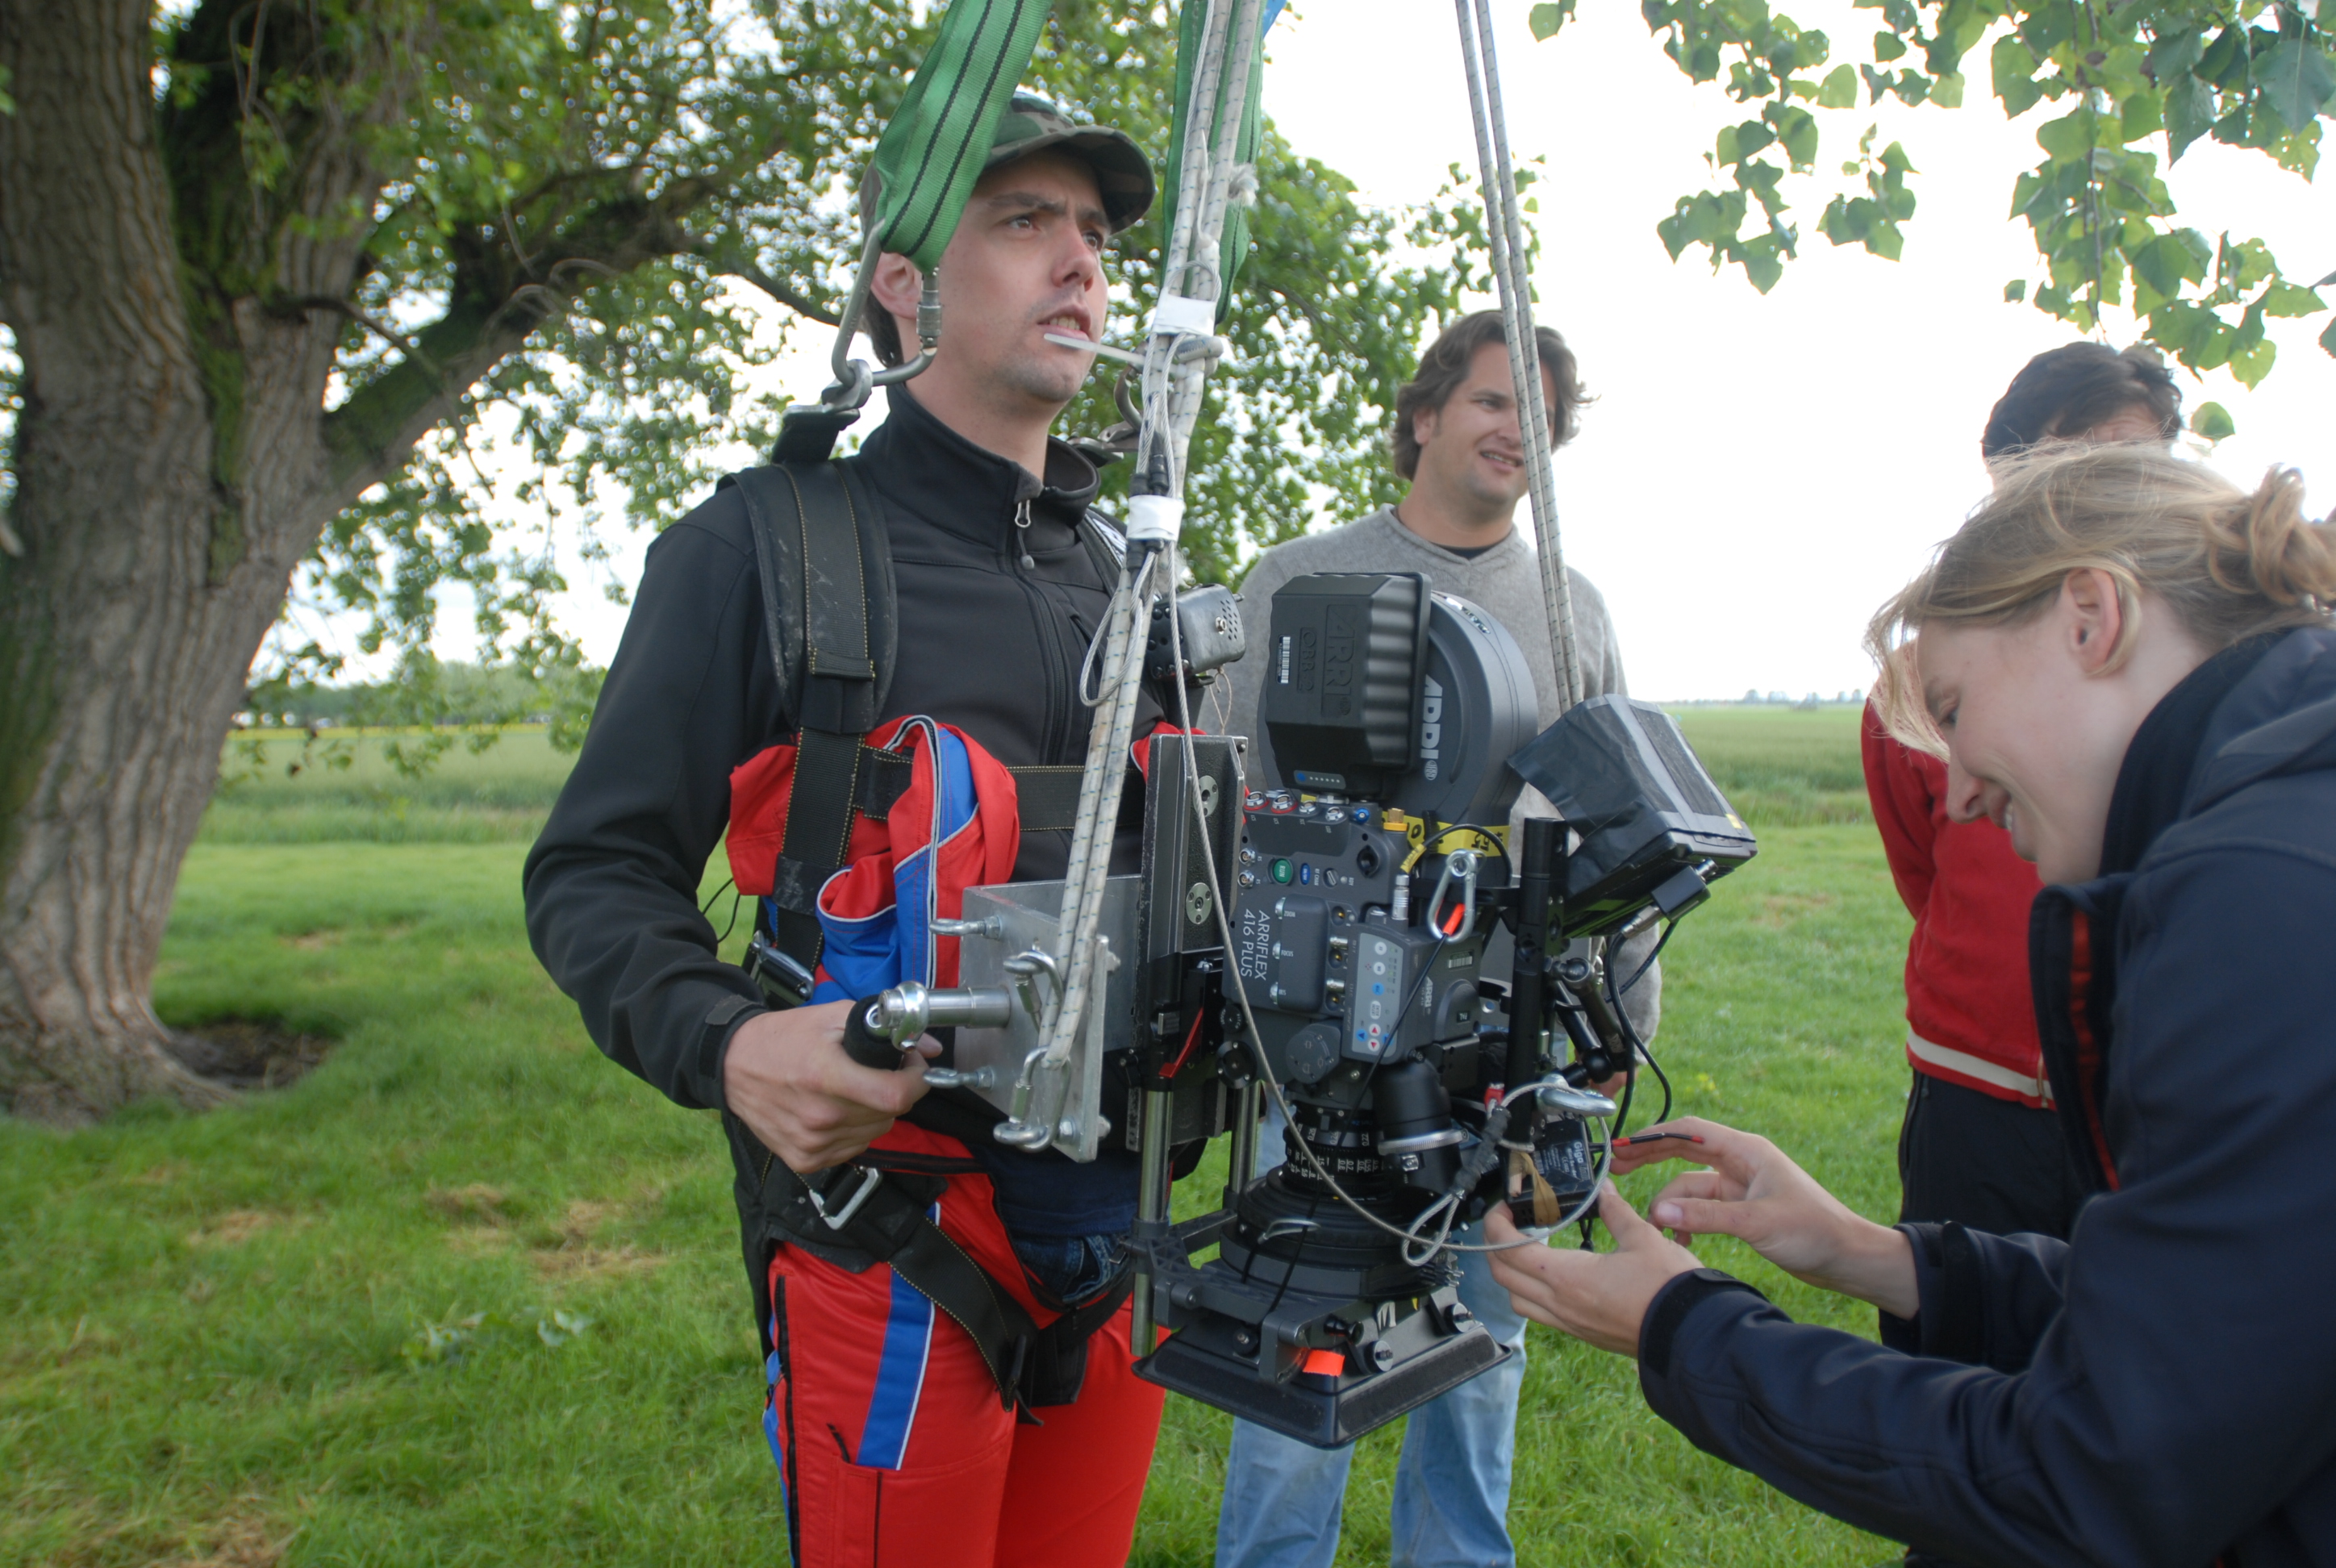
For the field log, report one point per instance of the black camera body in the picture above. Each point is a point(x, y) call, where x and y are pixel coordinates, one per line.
point(1366, 891)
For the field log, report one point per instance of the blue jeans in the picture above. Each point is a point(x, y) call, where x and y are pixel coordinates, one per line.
point(1283, 1498)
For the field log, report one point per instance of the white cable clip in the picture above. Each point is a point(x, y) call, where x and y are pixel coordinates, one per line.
point(1154, 518)
point(1182, 315)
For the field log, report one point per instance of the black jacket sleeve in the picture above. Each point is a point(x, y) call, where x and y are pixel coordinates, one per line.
point(2180, 1394)
point(1985, 1299)
point(612, 884)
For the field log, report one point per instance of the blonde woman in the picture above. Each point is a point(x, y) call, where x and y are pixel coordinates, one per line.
point(2129, 664)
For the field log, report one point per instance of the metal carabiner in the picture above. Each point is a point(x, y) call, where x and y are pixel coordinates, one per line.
point(1463, 863)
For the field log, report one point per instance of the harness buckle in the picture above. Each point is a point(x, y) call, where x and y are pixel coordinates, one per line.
point(784, 982)
point(869, 1179)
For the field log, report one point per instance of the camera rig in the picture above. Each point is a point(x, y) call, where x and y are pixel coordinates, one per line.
point(1335, 944)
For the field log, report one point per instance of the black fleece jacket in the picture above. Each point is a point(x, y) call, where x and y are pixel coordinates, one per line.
point(986, 643)
point(2159, 1391)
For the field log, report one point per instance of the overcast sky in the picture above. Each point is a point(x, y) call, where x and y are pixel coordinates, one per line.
point(1759, 473)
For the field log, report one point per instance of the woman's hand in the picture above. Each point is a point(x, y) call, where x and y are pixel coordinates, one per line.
point(1599, 1298)
point(1756, 1194)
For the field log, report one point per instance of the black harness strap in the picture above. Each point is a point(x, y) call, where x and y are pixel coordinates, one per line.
point(891, 1227)
point(819, 550)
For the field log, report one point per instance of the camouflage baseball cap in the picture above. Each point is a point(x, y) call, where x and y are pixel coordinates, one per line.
point(1032, 124)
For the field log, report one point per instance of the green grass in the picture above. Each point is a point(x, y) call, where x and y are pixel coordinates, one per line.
point(1778, 767)
point(309, 1322)
point(280, 788)
point(1782, 766)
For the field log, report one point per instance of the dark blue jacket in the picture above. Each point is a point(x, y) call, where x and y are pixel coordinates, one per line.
point(2161, 1389)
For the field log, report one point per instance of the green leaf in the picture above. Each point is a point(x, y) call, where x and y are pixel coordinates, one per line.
point(2069, 138)
point(1546, 18)
point(1889, 46)
point(1839, 90)
point(2012, 66)
point(2211, 421)
point(2296, 80)
point(2283, 298)
point(2328, 338)
point(2165, 264)
point(1797, 130)
point(1947, 92)
point(2143, 115)
point(2251, 364)
point(2189, 113)
point(2173, 54)
point(2015, 291)
point(1763, 271)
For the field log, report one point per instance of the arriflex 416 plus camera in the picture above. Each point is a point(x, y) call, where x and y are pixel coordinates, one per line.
point(1429, 1006)
point(1420, 1089)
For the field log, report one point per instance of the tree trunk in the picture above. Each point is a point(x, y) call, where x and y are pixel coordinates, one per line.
point(146, 580)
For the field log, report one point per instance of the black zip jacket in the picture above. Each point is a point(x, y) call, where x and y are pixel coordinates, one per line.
point(2159, 1391)
point(986, 643)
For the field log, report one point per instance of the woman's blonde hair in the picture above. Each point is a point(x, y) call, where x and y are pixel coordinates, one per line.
point(2228, 564)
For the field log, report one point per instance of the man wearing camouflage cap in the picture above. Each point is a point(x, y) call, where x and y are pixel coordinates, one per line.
point(886, 1420)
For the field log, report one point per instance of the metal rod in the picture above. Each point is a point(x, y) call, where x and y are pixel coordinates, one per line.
point(1528, 971)
point(1151, 1205)
point(1240, 1167)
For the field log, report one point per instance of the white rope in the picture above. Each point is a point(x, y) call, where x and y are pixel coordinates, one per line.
point(1173, 384)
point(1505, 229)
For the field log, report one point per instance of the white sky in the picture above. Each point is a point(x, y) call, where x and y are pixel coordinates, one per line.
point(1759, 473)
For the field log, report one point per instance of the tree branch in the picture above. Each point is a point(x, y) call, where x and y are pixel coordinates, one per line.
point(307, 302)
point(747, 272)
point(374, 431)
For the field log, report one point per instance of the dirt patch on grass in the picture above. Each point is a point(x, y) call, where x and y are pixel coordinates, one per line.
point(237, 1543)
point(595, 1262)
point(573, 1251)
point(239, 1225)
point(478, 1200)
point(249, 1053)
point(315, 941)
point(477, 1240)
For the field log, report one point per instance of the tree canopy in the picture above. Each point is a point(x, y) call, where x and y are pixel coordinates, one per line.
point(573, 212)
point(2125, 79)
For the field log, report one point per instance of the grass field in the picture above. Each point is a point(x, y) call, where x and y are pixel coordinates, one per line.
point(469, 1294)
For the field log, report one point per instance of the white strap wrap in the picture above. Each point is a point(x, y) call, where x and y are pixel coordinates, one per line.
point(1154, 518)
point(1180, 314)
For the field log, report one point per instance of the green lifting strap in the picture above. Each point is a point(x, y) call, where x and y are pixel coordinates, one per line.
point(934, 147)
point(1190, 23)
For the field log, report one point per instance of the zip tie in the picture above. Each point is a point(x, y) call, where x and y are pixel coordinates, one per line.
point(1180, 315)
point(1155, 519)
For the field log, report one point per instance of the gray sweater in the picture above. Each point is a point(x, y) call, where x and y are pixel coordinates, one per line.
point(1506, 582)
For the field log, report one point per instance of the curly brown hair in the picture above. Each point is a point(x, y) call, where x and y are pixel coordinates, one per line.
point(1445, 365)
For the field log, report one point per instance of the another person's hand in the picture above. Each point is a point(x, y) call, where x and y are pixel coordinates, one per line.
point(1756, 1195)
point(788, 1078)
point(1599, 1298)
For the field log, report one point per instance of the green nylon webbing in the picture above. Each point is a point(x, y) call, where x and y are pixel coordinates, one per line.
point(933, 149)
point(1234, 247)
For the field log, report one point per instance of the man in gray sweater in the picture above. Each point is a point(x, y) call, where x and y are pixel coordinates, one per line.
point(1456, 439)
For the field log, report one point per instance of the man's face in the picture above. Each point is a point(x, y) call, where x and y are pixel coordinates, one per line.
point(1026, 260)
point(1472, 447)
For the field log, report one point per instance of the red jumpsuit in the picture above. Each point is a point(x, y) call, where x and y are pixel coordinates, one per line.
point(889, 1433)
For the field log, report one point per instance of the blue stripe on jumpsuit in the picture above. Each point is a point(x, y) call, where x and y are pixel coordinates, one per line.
point(900, 1374)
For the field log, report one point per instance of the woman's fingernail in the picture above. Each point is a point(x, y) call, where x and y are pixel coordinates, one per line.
point(1665, 1214)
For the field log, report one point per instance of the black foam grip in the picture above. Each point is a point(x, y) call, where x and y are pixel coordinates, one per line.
point(867, 1048)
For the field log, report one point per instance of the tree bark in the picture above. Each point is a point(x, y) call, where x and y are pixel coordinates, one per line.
point(179, 324)
point(155, 554)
